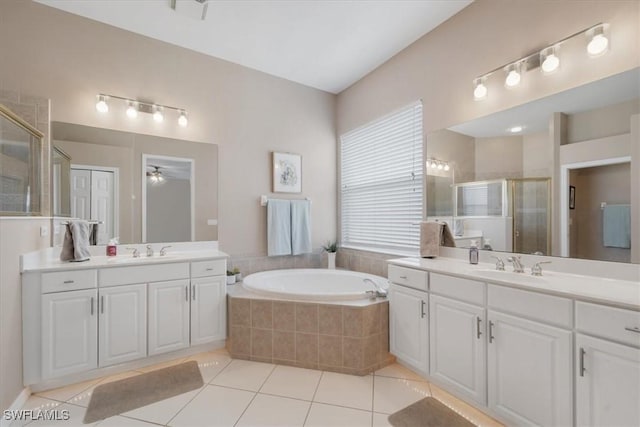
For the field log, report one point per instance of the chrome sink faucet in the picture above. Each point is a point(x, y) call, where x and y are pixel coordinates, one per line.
point(499, 263)
point(149, 251)
point(136, 253)
point(378, 292)
point(536, 270)
point(163, 250)
point(518, 267)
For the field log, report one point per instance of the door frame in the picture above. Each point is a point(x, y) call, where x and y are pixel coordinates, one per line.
point(192, 182)
point(116, 191)
point(565, 169)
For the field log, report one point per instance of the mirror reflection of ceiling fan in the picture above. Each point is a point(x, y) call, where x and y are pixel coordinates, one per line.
point(155, 176)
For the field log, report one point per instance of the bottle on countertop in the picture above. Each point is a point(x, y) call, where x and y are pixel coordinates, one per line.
point(112, 248)
point(473, 252)
point(487, 244)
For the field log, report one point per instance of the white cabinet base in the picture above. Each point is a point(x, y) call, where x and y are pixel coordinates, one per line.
point(408, 319)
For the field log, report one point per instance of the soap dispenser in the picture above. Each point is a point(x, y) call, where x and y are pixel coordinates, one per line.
point(473, 252)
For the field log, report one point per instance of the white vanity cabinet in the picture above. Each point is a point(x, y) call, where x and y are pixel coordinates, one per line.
point(168, 316)
point(69, 332)
point(457, 344)
point(409, 317)
point(122, 311)
point(607, 372)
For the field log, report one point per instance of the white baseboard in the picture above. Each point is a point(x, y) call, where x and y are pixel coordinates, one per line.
point(17, 404)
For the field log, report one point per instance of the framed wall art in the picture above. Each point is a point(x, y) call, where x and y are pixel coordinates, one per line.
point(287, 173)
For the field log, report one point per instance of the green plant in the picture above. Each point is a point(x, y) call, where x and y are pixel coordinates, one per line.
point(230, 273)
point(236, 270)
point(330, 247)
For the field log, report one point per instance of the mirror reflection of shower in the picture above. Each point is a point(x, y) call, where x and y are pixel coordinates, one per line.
point(167, 199)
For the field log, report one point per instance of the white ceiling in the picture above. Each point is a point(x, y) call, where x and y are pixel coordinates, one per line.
point(328, 45)
point(534, 116)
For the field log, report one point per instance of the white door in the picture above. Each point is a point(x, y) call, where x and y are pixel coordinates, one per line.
point(168, 316)
point(123, 324)
point(529, 371)
point(458, 345)
point(607, 383)
point(81, 194)
point(69, 333)
point(408, 329)
point(208, 309)
point(102, 204)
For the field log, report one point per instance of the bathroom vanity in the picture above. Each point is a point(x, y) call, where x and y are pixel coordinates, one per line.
point(82, 320)
point(557, 349)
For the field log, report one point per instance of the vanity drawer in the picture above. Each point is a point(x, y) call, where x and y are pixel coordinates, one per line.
point(410, 277)
point(545, 308)
point(61, 281)
point(117, 276)
point(609, 322)
point(455, 287)
point(214, 267)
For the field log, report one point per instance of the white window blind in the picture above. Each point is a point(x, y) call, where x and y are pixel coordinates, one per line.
point(381, 182)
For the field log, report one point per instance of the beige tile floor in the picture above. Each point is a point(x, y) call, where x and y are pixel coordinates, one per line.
point(243, 393)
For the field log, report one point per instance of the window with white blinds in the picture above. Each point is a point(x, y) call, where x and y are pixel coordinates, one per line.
point(381, 182)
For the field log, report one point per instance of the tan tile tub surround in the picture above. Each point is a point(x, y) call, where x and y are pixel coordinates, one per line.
point(341, 338)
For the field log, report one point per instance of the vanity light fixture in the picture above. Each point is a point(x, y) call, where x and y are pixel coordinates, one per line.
point(547, 59)
point(437, 164)
point(134, 107)
point(102, 105)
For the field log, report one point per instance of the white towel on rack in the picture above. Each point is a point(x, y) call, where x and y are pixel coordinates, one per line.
point(278, 227)
point(300, 227)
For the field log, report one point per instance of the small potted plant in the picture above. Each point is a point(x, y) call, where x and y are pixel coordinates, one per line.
point(331, 248)
point(236, 272)
point(231, 277)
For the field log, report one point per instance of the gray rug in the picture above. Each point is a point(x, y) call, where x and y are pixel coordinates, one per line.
point(125, 395)
point(428, 412)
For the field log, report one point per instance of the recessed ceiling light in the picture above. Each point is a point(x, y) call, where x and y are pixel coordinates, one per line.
point(516, 129)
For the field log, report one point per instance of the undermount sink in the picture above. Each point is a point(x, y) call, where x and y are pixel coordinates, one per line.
point(509, 276)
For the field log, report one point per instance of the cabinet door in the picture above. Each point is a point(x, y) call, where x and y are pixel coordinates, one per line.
point(69, 333)
point(529, 371)
point(208, 309)
point(168, 316)
point(457, 346)
point(123, 324)
point(607, 383)
point(408, 332)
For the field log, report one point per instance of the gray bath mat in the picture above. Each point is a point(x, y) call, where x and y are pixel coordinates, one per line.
point(428, 412)
point(125, 395)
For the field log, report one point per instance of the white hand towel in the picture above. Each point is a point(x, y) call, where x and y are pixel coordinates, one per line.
point(300, 227)
point(278, 227)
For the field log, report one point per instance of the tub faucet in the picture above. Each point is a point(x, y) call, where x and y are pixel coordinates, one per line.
point(518, 266)
point(378, 291)
point(163, 251)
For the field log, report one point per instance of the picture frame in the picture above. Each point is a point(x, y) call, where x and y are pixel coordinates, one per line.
point(287, 172)
point(572, 197)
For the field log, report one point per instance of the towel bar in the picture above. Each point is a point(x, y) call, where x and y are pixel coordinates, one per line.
point(265, 199)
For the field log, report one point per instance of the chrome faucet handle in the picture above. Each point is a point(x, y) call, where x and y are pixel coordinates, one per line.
point(499, 263)
point(536, 270)
point(163, 250)
point(136, 253)
point(149, 251)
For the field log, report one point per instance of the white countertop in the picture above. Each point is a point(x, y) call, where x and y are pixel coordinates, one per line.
point(49, 259)
point(621, 293)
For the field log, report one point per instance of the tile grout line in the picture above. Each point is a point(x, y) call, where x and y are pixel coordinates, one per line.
point(314, 394)
point(254, 396)
point(204, 385)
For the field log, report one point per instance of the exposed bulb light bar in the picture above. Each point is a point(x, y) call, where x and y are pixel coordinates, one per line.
point(134, 107)
point(102, 105)
point(437, 164)
point(546, 59)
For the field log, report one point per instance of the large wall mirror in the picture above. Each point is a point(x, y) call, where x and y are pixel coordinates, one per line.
point(140, 188)
point(550, 177)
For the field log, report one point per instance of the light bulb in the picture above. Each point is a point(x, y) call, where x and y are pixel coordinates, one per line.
point(549, 60)
point(513, 78)
point(480, 91)
point(428, 163)
point(102, 105)
point(446, 167)
point(182, 120)
point(132, 111)
point(433, 164)
point(516, 129)
point(440, 166)
point(598, 45)
point(157, 115)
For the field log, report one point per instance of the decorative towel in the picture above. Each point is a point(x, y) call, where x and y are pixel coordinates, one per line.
point(616, 226)
point(75, 246)
point(300, 227)
point(432, 236)
point(278, 227)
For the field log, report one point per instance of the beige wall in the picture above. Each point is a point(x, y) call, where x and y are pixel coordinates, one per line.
point(610, 184)
point(537, 155)
point(456, 148)
point(498, 157)
point(602, 122)
point(247, 113)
